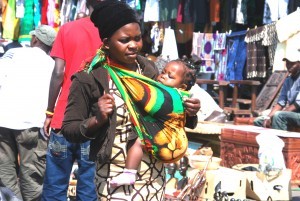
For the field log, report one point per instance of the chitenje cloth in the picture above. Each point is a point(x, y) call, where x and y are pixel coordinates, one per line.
point(156, 111)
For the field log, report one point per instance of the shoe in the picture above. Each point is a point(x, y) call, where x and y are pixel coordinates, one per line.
point(125, 178)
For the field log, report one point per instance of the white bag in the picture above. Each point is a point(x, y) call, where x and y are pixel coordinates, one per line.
point(270, 152)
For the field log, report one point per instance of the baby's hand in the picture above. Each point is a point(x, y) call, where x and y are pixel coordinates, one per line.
point(192, 106)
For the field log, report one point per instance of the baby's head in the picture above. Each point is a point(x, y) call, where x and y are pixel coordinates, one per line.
point(177, 74)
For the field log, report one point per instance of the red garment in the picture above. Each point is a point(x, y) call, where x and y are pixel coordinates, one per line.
point(215, 10)
point(44, 19)
point(75, 42)
point(180, 12)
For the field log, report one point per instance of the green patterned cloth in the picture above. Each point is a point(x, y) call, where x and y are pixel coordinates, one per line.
point(156, 111)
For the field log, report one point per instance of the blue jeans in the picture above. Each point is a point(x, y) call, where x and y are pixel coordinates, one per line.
point(281, 120)
point(61, 155)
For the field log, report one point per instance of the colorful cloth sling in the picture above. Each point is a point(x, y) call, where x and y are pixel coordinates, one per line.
point(156, 111)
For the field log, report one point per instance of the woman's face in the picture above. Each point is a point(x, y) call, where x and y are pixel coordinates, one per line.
point(124, 44)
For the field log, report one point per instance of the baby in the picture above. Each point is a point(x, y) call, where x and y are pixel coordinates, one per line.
point(175, 74)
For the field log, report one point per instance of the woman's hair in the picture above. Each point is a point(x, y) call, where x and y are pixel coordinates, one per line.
point(189, 77)
point(92, 3)
point(109, 16)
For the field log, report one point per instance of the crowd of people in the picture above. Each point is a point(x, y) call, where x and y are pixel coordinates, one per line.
point(85, 94)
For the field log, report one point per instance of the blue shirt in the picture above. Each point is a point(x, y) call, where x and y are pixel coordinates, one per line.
point(289, 93)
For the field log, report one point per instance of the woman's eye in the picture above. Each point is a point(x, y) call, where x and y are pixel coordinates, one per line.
point(138, 38)
point(124, 40)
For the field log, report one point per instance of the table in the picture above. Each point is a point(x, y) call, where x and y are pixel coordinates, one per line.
point(238, 146)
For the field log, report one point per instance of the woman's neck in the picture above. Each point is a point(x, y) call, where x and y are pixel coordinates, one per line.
point(132, 66)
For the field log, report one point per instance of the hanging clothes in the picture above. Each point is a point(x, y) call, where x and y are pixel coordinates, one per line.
point(274, 10)
point(168, 10)
point(201, 14)
point(214, 9)
point(241, 12)
point(207, 53)
point(185, 11)
point(27, 23)
point(73, 10)
point(237, 54)
point(20, 7)
point(293, 5)
point(134, 4)
point(151, 13)
point(44, 9)
point(288, 31)
point(196, 45)
point(36, 13)
point(65, 11)
point(228, 13)
point(155, 38)
point(81, 7)
point(270, 40)
point(256, 54)
point(10, 23)
point(169, 49)
point(53, 13)
point(220, 59)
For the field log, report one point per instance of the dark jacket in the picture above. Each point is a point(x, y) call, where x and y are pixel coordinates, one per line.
point(82, 105)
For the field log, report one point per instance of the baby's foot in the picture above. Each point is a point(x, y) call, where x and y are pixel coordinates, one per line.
point(125, 178)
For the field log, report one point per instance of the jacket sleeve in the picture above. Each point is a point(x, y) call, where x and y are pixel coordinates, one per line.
point(77, 112)
point(191, 122)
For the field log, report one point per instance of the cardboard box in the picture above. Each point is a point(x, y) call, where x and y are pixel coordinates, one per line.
point(231, 181)
point(275, 186)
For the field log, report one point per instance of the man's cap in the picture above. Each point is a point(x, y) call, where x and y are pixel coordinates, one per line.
point(292, 56)
point(46, 34)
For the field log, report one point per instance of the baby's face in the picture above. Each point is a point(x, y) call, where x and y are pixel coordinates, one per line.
point(172, 75)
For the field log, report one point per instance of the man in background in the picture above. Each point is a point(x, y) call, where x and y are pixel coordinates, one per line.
point(287, 110)
point(24, 83)
point(76, 41)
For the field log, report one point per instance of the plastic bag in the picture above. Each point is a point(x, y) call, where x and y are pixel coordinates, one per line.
point(270, 152)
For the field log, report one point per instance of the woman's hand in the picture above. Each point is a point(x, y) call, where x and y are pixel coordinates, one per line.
point(192, 106)
point(106, 104)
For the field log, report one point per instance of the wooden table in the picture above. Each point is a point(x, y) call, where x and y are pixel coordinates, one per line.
point(238, 146)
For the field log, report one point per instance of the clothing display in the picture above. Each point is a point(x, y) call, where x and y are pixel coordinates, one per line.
point(256, 54)
point(279, 28)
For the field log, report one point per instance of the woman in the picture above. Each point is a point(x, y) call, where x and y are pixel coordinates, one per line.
point(97, 112)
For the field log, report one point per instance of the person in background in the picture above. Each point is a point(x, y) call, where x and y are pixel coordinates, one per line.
point(13, 44)
point(75, 42)
point(175, 74)
point(25, 76)
point(96, 111)
point(286, 112)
